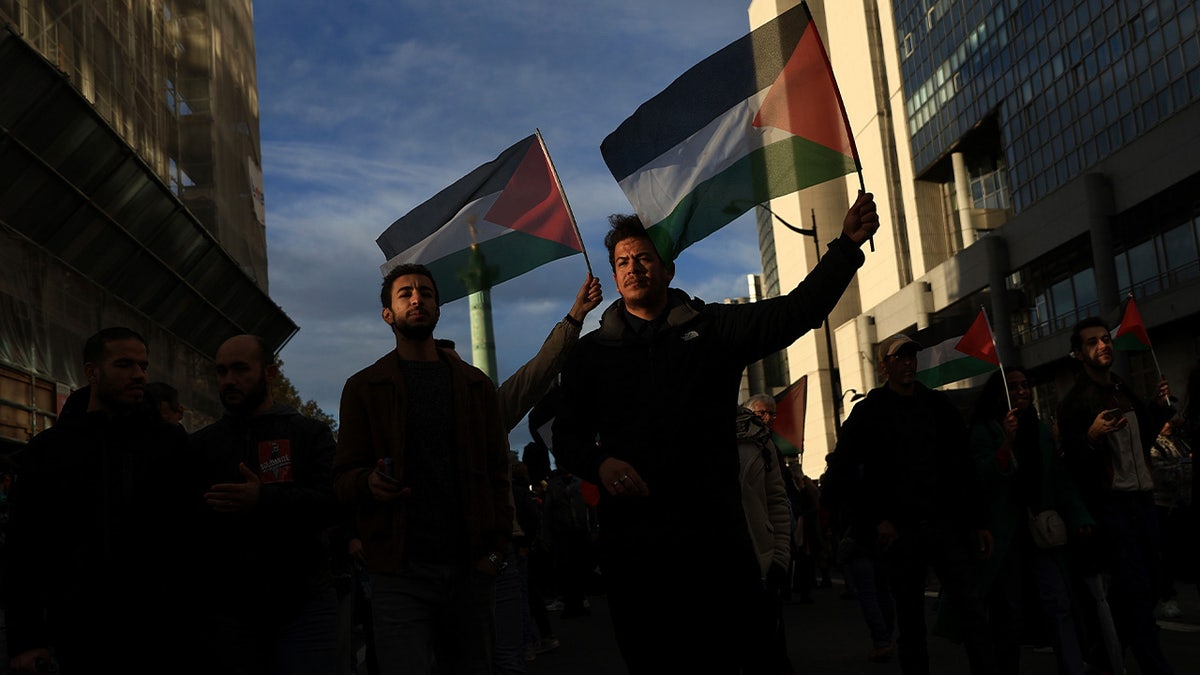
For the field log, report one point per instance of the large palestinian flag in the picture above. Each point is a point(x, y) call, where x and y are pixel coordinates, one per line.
point(759, 119)
point(499, 221)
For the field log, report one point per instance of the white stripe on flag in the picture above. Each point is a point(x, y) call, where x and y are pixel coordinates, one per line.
point(454, 236)
point(656, 189)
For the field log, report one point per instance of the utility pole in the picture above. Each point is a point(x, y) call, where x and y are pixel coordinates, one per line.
point(835, 384)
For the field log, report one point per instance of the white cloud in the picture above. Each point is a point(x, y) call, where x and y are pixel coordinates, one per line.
point(372, 109)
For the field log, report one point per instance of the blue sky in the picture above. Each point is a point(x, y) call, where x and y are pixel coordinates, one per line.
point(368, 109)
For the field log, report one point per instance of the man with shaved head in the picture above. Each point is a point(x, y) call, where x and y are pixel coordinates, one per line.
point(269, 506)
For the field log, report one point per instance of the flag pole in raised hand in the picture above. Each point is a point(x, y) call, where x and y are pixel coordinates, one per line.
point(992, 336)
point(1131, 334)
point(563, 193)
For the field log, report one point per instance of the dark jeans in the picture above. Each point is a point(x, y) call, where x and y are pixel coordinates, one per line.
point(265, 643)
point(679, 617)
point(1127, 526)
point(1053, 589)
point(512, 611)
point(912, 554)
point(872, 585)
point(433, 613)
point(572, 564)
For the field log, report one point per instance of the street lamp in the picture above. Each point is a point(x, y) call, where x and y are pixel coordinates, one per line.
point(835, 378)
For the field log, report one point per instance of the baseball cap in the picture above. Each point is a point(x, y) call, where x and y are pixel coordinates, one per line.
point(895, 343)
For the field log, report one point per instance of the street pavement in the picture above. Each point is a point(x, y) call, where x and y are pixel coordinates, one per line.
point(829, 636)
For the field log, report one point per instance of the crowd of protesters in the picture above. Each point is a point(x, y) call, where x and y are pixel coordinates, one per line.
point(1061, 531)
point(419, 534)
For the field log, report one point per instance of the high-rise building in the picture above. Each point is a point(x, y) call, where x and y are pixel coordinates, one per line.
point(130, 194)
point(1038, 159)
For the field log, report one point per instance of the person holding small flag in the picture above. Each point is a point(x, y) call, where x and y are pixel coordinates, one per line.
point(1022, 476)
point(1107, 431)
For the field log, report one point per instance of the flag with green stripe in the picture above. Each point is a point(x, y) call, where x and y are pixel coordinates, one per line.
point(503, 219)
point(759, 119)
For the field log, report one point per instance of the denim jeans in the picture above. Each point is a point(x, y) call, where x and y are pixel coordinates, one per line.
point(874, 592)
point(512, 611)
point(1128, 529)
point(433, 613)
point(260, 642)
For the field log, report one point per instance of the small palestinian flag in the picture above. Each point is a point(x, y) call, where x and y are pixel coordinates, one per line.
point(1131, 335)
point(759, 119)
point(788, 428)
point(958, 358)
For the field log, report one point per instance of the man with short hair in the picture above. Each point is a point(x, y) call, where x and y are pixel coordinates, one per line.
point(648, 410)
point(1107, 432)
point(915, 505)
point(422, 456)
point(95, 541)
point(271, 605)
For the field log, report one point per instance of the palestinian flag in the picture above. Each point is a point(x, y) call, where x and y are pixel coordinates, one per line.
point(788, 429)
point(1131, 335)
point(498, 222)
point(968, 355)
point(759, 119)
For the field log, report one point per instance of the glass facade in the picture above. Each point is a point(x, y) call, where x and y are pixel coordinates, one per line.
point(1060, 288)
point(1070, 82)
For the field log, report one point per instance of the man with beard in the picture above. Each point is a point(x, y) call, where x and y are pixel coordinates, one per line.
point(94, 555)
point(1107, 431)
point(422, 457)
point(272, 607)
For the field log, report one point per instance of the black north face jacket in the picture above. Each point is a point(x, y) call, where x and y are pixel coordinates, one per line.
point(665, 403)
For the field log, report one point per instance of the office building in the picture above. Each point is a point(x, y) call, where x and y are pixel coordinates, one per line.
point(130, 194)
point(1037, 159)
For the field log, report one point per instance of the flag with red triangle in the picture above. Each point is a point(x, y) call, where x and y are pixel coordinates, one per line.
point(1131, 335)
point(970, 354)
point(788, 429)
point(759, 119)
point(503, 219)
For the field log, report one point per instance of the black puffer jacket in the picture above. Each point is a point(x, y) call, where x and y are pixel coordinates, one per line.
point(96, 554)
point(913, 464)
point(666, 405)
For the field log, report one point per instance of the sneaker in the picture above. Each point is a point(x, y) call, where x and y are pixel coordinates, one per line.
point(546, 644)
point(881, 654)
point(1169, 610)
point(555, 606)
